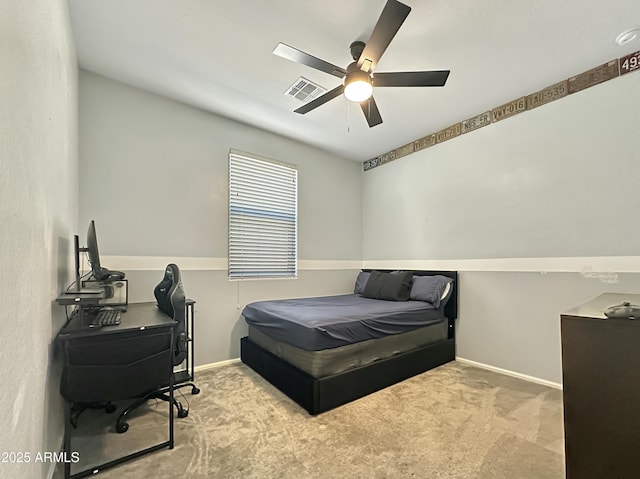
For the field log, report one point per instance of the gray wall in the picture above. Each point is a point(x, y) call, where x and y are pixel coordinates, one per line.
point(38, 199)
point(539, 206)
point(154, 176)
point(551, 190)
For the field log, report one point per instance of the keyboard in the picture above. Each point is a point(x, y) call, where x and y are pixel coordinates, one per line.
point(105, 317)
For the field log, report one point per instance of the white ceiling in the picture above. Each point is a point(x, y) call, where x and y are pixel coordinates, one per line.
point(217, 55)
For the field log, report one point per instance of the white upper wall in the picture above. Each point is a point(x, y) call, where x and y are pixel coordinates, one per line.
point(154, 176)
point(38, 200)
point(557, 181)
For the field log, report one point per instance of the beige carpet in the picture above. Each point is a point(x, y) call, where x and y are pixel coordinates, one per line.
point(455, 421)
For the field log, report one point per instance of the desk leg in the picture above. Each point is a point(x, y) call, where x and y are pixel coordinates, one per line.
point(171, 418)
point(67, 438)
point(171, 397)
point(192, 363)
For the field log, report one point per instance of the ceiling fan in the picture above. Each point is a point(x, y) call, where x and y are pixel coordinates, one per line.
point(359, 76)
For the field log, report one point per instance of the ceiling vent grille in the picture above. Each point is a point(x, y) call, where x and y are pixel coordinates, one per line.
point(304, 90)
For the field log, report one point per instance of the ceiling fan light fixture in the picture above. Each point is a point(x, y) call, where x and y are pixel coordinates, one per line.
point(357, 86)
point(358, 76)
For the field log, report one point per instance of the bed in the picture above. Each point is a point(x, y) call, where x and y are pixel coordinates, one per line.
point(324, 352)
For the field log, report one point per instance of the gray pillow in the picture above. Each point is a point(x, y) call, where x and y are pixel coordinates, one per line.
point(429, 289)
point(388, 286)
point(361, 282)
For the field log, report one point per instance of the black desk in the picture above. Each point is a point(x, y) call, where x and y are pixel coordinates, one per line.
point(116, 362)
point(137, 315)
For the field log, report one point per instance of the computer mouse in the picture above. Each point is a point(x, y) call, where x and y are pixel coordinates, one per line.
point(625, 310)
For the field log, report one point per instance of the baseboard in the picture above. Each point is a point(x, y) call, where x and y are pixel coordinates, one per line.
point(54, 465)
point(506, 372)
point(206, 367)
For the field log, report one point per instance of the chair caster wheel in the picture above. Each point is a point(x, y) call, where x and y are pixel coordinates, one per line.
point(110, 408)
point(195, 390)
point(121, 428)
point(183, 413)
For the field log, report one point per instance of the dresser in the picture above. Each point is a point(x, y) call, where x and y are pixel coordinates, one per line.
point(601, 390)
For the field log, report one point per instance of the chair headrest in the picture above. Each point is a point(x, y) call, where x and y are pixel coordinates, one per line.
point(172, 272)
point(170, 286)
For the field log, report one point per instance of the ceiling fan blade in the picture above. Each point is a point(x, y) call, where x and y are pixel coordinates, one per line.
point(371, 112)
point(295, 55)
point(428, 78)
point(321, 100)
point(391, 18)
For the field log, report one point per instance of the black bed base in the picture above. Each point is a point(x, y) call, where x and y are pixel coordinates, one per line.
point(318, 395)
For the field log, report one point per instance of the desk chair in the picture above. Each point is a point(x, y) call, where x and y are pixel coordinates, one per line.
point(171, 300)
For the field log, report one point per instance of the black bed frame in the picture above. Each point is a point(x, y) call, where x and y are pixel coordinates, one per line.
point(318, 395)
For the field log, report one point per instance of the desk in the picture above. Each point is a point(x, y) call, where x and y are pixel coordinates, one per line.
point(116, 362)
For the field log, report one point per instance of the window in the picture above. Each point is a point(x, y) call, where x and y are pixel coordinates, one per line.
point(263, 217)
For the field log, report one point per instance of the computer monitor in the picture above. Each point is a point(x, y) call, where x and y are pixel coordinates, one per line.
point(99, 273)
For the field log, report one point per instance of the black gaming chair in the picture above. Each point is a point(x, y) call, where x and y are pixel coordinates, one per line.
point(171, 301)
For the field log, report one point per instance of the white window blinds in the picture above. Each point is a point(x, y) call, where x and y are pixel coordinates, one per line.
point(263, 216)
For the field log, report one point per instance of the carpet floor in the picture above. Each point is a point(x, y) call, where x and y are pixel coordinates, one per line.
point(455, 421)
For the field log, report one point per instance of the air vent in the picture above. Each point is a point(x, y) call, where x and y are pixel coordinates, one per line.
point(304, 90)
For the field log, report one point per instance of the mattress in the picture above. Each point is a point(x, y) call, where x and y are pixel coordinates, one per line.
point(333, 361)
point(329, 322)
